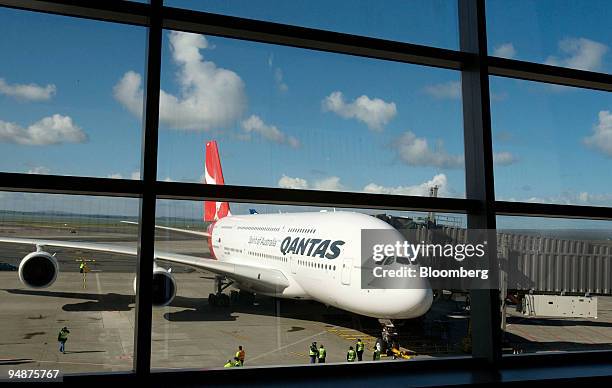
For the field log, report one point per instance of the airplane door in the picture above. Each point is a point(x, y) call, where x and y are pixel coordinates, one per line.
point(294, 264)
point(347, 268)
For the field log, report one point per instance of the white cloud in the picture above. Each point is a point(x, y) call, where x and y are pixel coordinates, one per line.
point(504, 158)
point(278, 78)
point(505, 50)
point(39, 170)
point(255, 124)
point(448, 90)
point(422, 189)
point(54, 129)
point(579, 53)
point(287, 182)
point(28, 92)
point(134, 175)
point(415, 151)
point(572, 198)
point(375, 113)
point(601, 139)
point(331, 183)
point(209, 97)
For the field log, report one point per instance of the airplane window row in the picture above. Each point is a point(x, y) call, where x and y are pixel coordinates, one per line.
point(234, 250)
point(260, 228)
point(269, 257)
point(311, 264)
point(302, 230)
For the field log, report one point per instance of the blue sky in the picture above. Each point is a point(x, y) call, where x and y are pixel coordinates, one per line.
point(285, 117)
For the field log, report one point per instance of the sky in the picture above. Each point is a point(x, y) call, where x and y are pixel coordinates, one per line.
point(71, 101)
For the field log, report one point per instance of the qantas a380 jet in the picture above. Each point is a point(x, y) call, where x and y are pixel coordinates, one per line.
point(309, 255)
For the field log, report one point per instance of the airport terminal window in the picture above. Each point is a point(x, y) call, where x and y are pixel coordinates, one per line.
point(206, 330)
point(91, 293)
point(333, 122)
point(562, 132)
point(59, 111)
point(558, 287)
point(565, 33)
point(431, 23)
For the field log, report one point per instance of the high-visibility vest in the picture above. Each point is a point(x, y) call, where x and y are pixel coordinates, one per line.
point(377, 354)
point(350, 356)
point(240, 354)
point(312, 351)
point(63, 335)
point(228, 365)
point(322, 353)
point(237, 363)
point(359, 346)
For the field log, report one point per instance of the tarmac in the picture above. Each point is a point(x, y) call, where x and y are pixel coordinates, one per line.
point(191, 334)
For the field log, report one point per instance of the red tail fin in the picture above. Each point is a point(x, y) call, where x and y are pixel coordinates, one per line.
point(213, 175)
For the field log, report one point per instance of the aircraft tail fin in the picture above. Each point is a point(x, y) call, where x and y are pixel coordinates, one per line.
point(213, 175)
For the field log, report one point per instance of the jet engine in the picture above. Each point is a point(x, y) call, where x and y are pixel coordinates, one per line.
point(38, 269)
point(163, 287)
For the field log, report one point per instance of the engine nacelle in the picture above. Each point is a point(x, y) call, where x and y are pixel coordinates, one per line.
point(38, 269)
point(163, 287)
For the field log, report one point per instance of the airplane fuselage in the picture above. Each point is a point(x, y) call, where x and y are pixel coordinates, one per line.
point(320, 255)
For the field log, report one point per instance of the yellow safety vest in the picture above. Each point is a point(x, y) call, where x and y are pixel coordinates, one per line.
point(350, 356)
point(322, 352)
point(312, 351)
point(228, 365)
point(360, 346)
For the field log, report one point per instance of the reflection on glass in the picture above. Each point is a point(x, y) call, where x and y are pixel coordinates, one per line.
point(275, 279)
point(59, 112)
point(67, 261)
point(558, 287)
point(291, 118)
point(431, 23)
point(552, 144)
point(555, 32)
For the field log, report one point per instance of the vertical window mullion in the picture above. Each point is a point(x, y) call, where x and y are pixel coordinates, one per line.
point(146, 229)
point(484, 307)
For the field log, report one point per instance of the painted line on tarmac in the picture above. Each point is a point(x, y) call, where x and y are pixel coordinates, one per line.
point(288, 345)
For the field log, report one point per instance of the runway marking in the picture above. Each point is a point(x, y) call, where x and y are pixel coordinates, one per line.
point(288, 345)
point(98, 284)
point(77, 363)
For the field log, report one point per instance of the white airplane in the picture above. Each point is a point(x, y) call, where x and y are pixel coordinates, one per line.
point(310, 255)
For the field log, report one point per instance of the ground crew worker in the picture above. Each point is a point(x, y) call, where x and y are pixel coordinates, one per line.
point(237, 362)
point(62, 337)
point(360, 347)
point(313, 352)
point(322, 354)
point(240, 354)
point(351, 354)
point(376, 354)
point(228, 364)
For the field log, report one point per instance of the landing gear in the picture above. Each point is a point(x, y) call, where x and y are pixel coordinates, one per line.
point(389, 335)
point(221, 299)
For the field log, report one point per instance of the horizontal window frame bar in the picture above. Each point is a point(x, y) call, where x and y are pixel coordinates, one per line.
point(115, 11)
point(552, 210)
point(71, 185)
point(297, 197)
point(531, 71)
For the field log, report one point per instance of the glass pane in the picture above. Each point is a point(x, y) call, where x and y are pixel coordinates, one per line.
point(553, 144)
point(59, 113)
point(430, 23)
point(284, 117)
point(559, 284)
point(90, 292)
point(312, 299)
point(564, 33)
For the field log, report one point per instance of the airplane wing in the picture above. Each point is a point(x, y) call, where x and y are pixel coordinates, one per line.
point(256, 277)
point(187, 231)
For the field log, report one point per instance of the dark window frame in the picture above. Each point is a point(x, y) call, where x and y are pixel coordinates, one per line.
point(480, 205)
